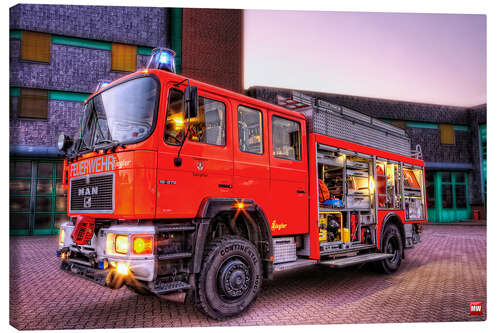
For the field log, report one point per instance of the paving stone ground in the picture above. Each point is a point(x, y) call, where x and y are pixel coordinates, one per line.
point(436, 282)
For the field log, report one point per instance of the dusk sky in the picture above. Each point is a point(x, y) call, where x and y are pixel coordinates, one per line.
point(429, 58)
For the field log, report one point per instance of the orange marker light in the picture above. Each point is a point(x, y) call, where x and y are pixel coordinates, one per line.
point(143, 245)
point(239, 205)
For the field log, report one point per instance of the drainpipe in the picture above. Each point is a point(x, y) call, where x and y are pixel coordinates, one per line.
point(175, 27)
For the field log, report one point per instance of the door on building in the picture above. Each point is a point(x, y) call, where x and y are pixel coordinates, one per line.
point(447, 196)
point(37, 199)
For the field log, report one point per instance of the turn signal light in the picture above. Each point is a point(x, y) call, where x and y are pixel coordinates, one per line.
point(143, 245)
point(121, 244)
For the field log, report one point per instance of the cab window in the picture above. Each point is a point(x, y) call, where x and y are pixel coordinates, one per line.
point(209, 126)
point(250, 130)
point(174, 126)
point(286, 139)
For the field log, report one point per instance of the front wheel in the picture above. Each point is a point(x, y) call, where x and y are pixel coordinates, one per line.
point(230, 278)
point(392, 244)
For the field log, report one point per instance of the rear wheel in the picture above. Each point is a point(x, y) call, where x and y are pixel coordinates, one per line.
point(391, 243)
point(230, 278)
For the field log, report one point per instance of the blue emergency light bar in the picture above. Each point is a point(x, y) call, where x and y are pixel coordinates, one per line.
point(162, 58)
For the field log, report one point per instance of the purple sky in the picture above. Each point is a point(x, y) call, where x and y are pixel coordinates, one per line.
point(430, 58)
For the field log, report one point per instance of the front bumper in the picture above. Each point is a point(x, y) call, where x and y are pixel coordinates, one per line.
point(93, 274)
point(164, 271)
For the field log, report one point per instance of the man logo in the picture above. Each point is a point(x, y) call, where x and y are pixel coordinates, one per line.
point(87, 202)
point(199, 166)
point(94, 190)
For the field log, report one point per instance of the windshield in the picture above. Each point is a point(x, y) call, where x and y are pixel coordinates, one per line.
point(122, 114)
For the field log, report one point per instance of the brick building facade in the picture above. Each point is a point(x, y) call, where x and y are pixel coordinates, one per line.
point(453, 142)
point(58, 55)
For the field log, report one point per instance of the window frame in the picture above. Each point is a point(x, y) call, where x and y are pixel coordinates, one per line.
point(22, 56)
point(21, 101)
point(449, 128)
point(184, 133)
point(55, 179)
point(272, 139)
point(166, 116)
point(261, 128)
point(116, 47)
point(155, 109)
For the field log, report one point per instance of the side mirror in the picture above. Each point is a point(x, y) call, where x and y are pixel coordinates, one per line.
point(191, 101)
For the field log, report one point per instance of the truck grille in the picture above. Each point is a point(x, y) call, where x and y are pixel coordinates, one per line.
point(92, 194)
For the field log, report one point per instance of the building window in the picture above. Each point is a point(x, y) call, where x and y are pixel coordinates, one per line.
point(286, 139)
point(447, 134)
point(37, 198)
point(35, 46)
point(482, 132)
point(454, 190)
point(460, 190)
point(33, 103)
point(124, 57)
point(250, 130)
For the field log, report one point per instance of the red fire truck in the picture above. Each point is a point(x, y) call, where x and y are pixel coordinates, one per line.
point(176, 187)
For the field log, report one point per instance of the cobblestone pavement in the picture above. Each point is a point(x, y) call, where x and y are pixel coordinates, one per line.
point(436, 282)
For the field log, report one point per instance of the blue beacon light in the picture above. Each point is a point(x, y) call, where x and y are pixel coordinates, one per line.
point(162, 58)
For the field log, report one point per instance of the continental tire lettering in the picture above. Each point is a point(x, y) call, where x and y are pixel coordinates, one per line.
point(242, 248)
point(256, 283)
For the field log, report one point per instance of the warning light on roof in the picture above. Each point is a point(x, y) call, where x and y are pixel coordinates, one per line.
point(162, 58)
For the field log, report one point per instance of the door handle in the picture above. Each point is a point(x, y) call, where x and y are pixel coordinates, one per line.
point(226, 185)
point(301, 191)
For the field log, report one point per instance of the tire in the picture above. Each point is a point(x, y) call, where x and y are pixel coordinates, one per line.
point(230, 277)
point(391, 243)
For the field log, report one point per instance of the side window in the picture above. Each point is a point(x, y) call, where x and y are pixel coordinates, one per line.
point(286, 139)
point(174, 126)
point(250, 130)
point(209, 126)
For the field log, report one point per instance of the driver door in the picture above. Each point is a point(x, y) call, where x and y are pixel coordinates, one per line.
point(207, 155)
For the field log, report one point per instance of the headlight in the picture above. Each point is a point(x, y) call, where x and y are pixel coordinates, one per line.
point(116, 244)
point(121, 244)
point(61, 236)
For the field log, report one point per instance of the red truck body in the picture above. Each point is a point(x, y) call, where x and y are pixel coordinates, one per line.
point(274, 191)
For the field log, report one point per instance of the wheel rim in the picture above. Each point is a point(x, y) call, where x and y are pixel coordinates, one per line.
point(392, 248)
point(233, 278)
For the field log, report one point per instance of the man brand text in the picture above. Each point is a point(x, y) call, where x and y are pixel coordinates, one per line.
point(98, 164)
point(94, 190)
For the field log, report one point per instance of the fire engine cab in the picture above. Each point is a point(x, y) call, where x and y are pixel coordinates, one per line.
point(176, 187)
